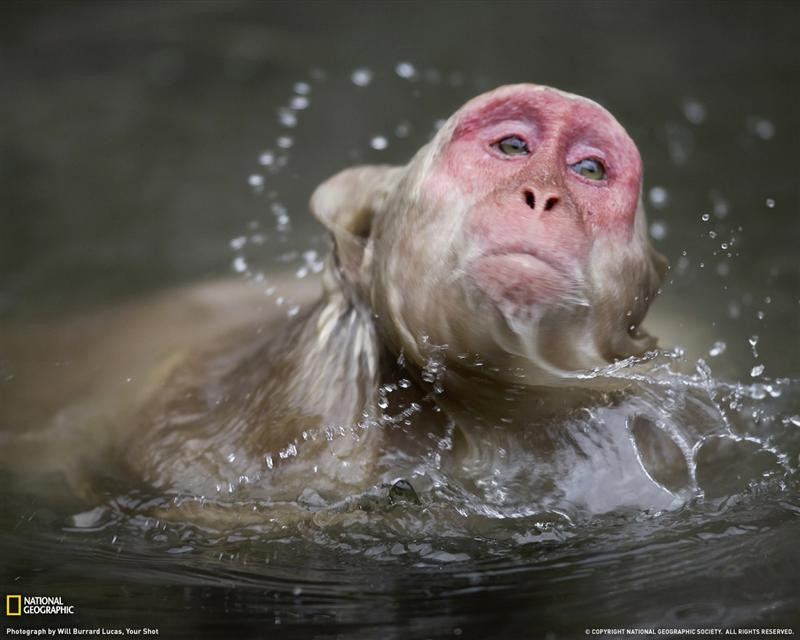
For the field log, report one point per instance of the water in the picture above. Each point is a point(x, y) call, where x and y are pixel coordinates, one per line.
point(395, 575)
point(169, 144)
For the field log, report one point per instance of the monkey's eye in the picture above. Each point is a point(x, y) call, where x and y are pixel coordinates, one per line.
point(590, 168)
point(512, 146)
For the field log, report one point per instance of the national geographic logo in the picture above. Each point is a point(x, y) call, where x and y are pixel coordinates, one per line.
point(13, 605)
point(17, 605)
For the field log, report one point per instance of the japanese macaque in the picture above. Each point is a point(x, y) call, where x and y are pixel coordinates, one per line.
point(469, 301)
point(488, 275)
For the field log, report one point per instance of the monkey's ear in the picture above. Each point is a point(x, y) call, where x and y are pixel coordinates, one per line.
point(347, 204)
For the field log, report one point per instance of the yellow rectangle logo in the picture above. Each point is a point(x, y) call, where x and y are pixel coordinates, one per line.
point(13, 605)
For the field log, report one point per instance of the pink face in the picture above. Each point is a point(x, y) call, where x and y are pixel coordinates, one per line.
point(545, 175)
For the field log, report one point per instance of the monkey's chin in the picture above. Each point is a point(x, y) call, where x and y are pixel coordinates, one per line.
point(520, 281)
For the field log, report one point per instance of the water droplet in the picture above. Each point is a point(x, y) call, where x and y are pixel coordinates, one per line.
point(795, 420)
point(712, 234)
point(238, 243)
point(403, 383)
point(284, 142)
point(287, 118)
point(658, 230)
point(405, 70)
point(758, 392)
point(302, 88)
point(361, 77)
point(379, 143)
point(293, 310)
point(312, 261)
point(757, 370)
point(658, 196)
point(762, 127)
point(770, 203)
point(268, 461)
point(694, 111)
point(403, 129)
point(705, 217)
point(266, 158)
point(239, 264)
point(720, 205)
point(680, 142)
point(760, 315)
point(717, 349)
point(256, 181)
point(290, 450)
point(299, 102)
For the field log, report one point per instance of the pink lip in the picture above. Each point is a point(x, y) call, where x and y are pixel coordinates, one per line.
point(520, 277)
point(526, 253)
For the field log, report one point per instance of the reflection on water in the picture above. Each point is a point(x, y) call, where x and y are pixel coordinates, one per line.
point(691, 567)
point(166, 145)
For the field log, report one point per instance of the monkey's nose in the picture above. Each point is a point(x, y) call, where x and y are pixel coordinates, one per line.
point(544, 201)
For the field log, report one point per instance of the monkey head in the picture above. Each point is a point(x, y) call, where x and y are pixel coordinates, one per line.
point(517, 235)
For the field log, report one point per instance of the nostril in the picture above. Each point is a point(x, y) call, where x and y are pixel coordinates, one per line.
point(550, 203)
point(529, 199)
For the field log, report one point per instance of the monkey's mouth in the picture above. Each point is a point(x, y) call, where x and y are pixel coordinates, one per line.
point(520, 278)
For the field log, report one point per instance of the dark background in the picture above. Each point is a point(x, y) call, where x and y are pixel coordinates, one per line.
point(128, 129)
